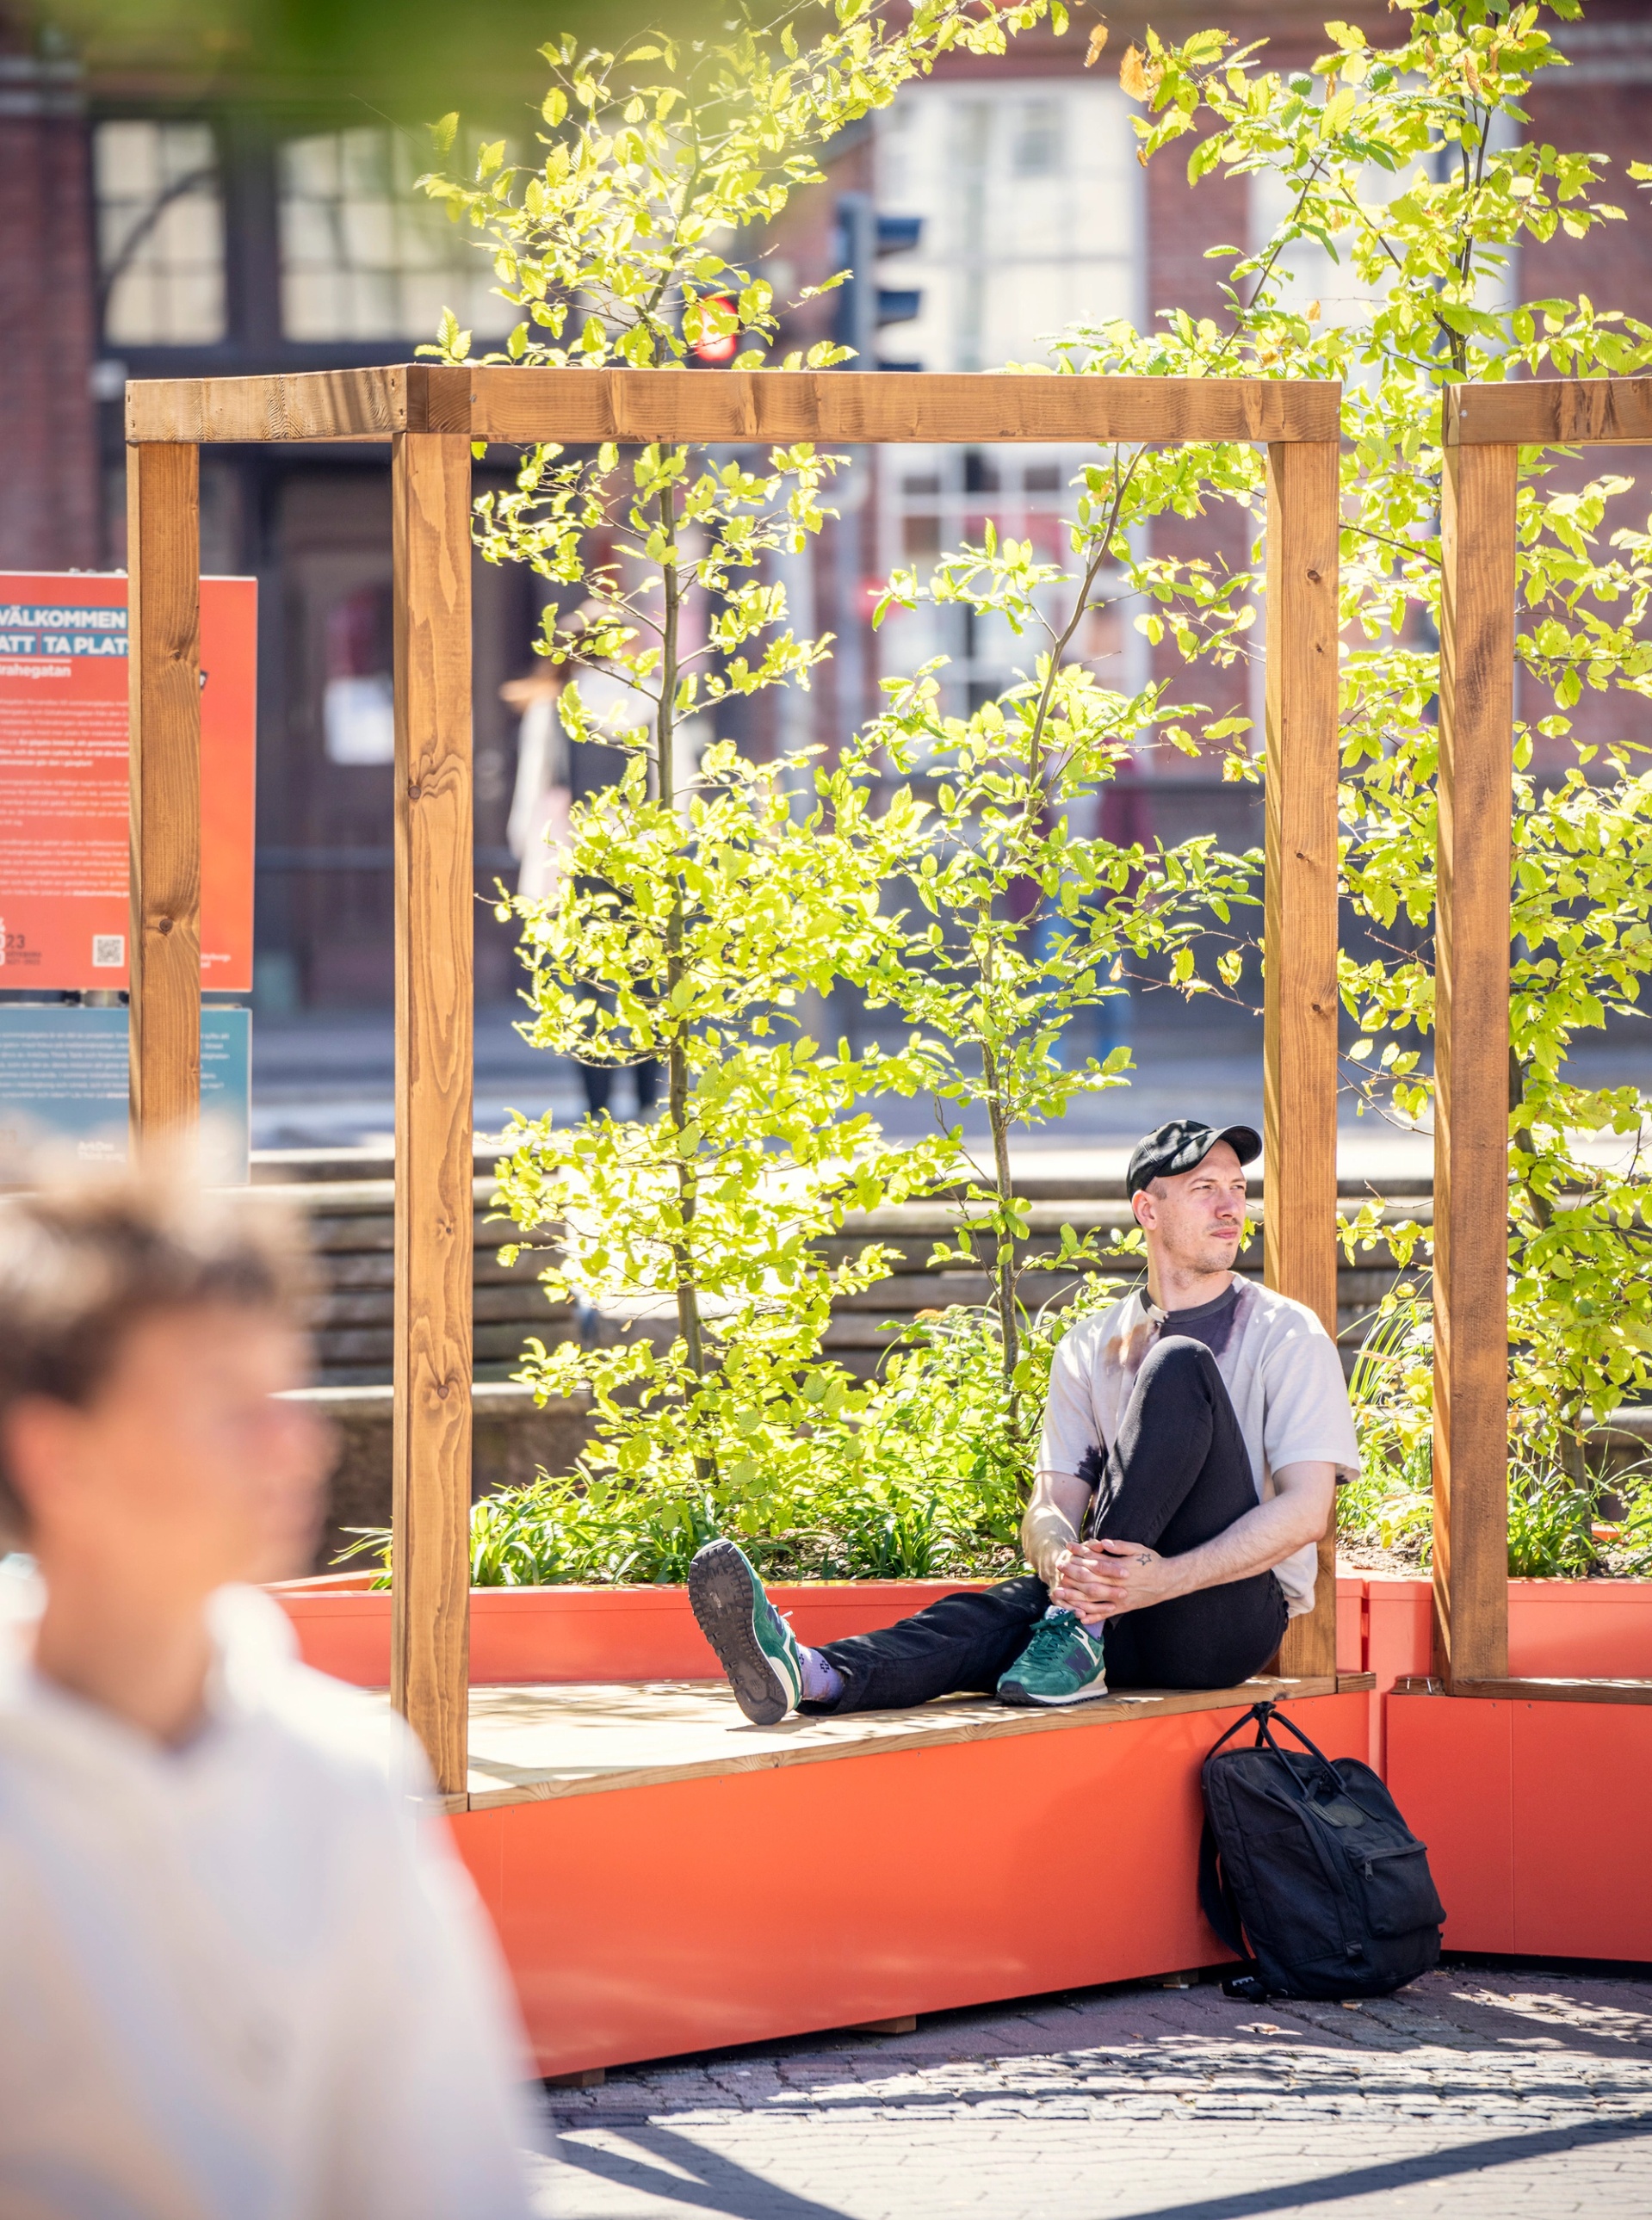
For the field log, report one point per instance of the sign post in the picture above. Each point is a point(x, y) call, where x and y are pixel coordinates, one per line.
point(65, 783)
point(126, 796)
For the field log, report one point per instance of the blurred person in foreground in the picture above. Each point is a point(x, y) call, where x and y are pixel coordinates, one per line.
point(240, 1978)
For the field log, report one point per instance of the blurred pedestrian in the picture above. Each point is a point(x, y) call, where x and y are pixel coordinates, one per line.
point(240, 1978)
point(538, 830)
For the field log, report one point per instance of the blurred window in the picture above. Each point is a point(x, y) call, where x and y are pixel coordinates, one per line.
point(365, 256)
point(1030, 199)
point(934, 500)
point(160, 233)
point(358, 704)
point(1037, 149)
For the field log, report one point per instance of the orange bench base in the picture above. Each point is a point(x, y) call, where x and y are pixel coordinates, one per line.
point(644, 1922)
point(1537, 1818)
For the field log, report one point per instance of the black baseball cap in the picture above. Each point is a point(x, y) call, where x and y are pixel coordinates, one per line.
point(1183, 1143)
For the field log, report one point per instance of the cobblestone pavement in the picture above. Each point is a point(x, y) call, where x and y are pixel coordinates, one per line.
point(1477, 2092)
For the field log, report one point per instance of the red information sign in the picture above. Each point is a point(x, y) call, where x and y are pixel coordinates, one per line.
point(64, 794)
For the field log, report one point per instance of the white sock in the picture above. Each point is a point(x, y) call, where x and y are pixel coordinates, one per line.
point(822, 1681)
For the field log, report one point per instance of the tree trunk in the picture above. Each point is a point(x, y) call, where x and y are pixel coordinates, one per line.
point(1003, 1262)
point(677, 1055)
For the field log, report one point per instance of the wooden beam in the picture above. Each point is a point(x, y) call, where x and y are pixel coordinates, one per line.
point(326, 404)
point(1555, 1692)
point(434, 1128)
point(517, 407)
point(1550, 412)
point(1471, 1064)
point(1300, 1012)
point(864, 408)
point(164, 698)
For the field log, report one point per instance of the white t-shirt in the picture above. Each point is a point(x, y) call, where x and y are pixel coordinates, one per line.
point(241, 1980)
point(1282, 1375)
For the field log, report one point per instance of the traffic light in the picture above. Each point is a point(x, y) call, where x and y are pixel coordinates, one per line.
point(716, 350)
point(863, 305)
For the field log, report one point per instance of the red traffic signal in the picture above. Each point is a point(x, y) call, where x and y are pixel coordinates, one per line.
point(715, 348)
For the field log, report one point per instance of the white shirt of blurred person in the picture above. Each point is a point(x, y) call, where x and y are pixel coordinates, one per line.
point(240, 1977)
point(536, 832)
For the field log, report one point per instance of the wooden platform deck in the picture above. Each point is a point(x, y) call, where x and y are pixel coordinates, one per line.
point(531, 1742)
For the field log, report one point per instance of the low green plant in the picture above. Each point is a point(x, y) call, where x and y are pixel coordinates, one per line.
point(1551, 1521)
point(1631, 1541)
point(1392, 1502)
point(923, 1479)
point(1554, 1529)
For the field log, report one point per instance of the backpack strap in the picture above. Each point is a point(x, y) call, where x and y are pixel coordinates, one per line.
point(1258, 1713)
point(1312, 1748)
point(1216, 1898)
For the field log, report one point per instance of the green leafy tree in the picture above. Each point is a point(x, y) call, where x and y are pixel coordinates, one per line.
point(700, 904)
point(613, 246)
point(1026, 925)
point(1404, 186)
point(704, 895)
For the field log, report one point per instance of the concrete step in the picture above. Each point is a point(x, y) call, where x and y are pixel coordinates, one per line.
point(348, 1200)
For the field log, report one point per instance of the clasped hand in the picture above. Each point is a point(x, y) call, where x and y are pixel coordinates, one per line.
point(1103, 1578)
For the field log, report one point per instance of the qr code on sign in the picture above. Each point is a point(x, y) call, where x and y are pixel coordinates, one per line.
point(108, 950)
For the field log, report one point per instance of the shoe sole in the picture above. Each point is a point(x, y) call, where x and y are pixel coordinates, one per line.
point(720, 1593)
point(1024, 1702)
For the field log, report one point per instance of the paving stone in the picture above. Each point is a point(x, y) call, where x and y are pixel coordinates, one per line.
point(1478, 2093)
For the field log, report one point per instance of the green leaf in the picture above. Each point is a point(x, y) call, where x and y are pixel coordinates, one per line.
point(1204, 159)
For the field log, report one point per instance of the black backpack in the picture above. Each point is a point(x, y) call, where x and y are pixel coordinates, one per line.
point(1308, 1873)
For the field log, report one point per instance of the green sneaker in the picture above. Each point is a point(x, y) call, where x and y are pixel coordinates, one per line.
point(1061, 1664)
point(753, 1642)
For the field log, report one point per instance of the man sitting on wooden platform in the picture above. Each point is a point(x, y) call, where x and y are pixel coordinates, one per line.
point(1193, 1440)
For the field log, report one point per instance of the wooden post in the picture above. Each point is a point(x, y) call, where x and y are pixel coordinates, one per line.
point(1299, 1018)
point(434, 1134)
point(1471, 1064)
point(164, 682)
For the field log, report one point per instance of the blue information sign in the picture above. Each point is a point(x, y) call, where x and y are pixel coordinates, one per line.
point(63, 1087)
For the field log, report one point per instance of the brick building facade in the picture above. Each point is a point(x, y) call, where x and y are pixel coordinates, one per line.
point(161, 226)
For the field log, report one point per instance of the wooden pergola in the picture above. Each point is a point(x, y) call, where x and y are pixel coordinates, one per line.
point(1484, 427)
point(430, 417)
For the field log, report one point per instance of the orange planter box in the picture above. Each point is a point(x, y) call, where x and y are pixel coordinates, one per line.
point(1536, 1815)
point(1591, 1629)
point(654, 1919)
point(343, 1625)
point(1586, 1630)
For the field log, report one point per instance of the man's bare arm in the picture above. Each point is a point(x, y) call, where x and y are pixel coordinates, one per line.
point(1097, 1578)
point(1052, 1522)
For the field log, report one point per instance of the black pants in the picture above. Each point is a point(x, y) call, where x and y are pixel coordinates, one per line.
point(1178, 1476)
point(597, 1080)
